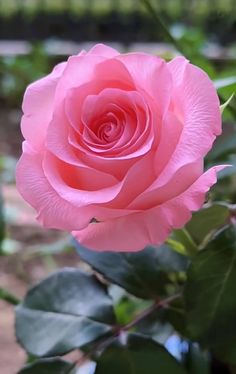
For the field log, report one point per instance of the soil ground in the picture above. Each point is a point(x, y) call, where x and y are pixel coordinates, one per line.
point(19, 271)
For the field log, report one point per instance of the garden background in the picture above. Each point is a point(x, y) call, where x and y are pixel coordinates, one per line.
point(34, 35)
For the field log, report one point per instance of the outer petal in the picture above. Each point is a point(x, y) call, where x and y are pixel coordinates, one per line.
point(92, 186)
point(53, 211)
point(91, 68)
point(134, 232)
point(198, 109)
point(79, 70)
point(150, 74)
point(177, 68)
point(38, 107)
point(180, 182)
point(103, 50)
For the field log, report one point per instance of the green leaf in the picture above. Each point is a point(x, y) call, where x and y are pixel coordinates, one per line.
point(176, 316)
point(210, 289)
point(157, 330)
point(155, 325)
point(203, 223)
point(162, 322)
point(136, 354)
point(196, 360)
point(207, 220)
point(145, 274)
point(8, 297)
point(67, 310)
point(49, 366)
point(128, 306)
point(177, 246)
point(223, 106)
point(226, 352)
point(184, 237)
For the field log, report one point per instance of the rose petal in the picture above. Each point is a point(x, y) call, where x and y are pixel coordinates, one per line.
point(53, 211)
point(134, 232)
point(103, 50)
point(151, 75)
point(101, 187)
point(38, 107)
point(196, 98)
point(180, 181)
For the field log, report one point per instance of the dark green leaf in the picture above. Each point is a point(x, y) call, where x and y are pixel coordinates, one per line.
point(49, 366)
point(128, 307)
point(210, 289)
point(176, 316)
point(144, 274)
point(184, 237)
point(226, 103)
point(136, 354)
point(226, 352)
point(67, 310)
point(154, 325)
point(160, 323)
point(206, 220)
point(196, 360)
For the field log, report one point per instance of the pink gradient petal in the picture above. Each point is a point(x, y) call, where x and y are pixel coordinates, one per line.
point(130, 189)
point(113, 69)
point(38, 107)
point(178, 210)
point(134, 232)
point(177, 68)
point(180, 181)
point(53, 211)
point(101, 187)
point(57, 143)
point(150, 75)
point(170, 133)
point(89, 68)
point(103, 50)
point(134, 140)
point(197, 100)
point(120, 139)
point(79, 70)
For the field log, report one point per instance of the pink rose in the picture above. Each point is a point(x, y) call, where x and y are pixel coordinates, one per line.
point(118, 139)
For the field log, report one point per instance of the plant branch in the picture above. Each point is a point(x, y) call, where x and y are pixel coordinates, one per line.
point(8, 297)
point(165, 31)
point(159, 304)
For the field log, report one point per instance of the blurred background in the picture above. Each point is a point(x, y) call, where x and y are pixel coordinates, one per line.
point(36, 34)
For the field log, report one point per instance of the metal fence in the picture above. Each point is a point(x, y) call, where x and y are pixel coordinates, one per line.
point(80, 6)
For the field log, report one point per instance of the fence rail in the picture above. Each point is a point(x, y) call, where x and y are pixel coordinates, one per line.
point(117, 20)
point(199, 6)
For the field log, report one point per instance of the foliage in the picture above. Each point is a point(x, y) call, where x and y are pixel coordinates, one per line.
point(17, 72)
point(75, 309)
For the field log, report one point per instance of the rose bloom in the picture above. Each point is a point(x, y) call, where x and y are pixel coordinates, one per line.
point(114, 147)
